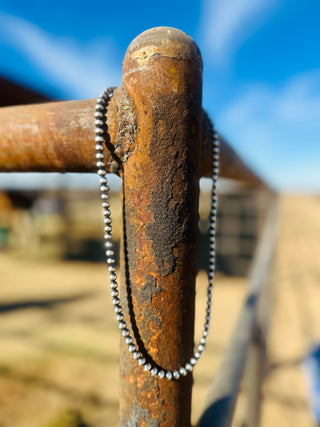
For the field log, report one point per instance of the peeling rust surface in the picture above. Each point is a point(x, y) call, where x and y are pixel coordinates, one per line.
point(160, 221)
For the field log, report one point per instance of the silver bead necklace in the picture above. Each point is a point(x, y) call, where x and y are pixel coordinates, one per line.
point(100, 139)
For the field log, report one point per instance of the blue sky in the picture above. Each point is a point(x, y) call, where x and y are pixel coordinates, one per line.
point(261, 66)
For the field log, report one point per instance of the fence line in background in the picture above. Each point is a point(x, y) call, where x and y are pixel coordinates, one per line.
point(225, 384)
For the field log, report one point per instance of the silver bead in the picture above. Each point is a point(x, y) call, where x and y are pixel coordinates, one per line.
point(104, 196)
point(169, 375)
point(119, 316)
point(118, 308)
point(107, 221)
point(176, 375)
point(101, 172)
point(132, 348)
point(105, 204)
point(205, 333)
point(141, 361)
point(114, 292)
point(197, 355)
point(101, 101)
point(136, 354)
point(99, 107)
point(115, 301)
point(99, 141)
point(147, 367)
point(111, 268)
point(98, 114)
point(109, 253)
point(99, 147)
point(193, 361)
point(125, 332)
point(189, 367)
point(122, 325)
point(154, 371)
point(203, 341)
point(161, 374)
point(99, 131)
point(183, 371)
point(200, 347)
point(128, 340)
point(112, 276)
point(104, 188)
point(113, 284)
point(110, 261)
point(98, 122)
point(108, 236)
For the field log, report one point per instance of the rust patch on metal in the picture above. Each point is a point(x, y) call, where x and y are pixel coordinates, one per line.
point(160, 213)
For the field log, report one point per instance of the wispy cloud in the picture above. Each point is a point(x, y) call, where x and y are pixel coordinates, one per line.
point(227, 24)
point(278, 130)
point(79, 69)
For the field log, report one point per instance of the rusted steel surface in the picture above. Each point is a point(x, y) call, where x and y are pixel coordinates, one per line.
point(58, 137)
point(162, 73)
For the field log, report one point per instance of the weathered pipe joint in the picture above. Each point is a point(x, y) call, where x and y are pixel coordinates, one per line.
point(123, 142)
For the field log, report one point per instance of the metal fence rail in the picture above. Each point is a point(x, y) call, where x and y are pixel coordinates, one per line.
point(223, 391)
point(58, 137)
point(160, 145)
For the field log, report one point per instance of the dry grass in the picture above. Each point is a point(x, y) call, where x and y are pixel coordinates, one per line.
point(59, 341)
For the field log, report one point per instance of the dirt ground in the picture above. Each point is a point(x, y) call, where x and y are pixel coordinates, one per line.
point(59, 339)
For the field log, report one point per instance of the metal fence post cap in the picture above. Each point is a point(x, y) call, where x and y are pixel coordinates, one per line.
point(161, 42)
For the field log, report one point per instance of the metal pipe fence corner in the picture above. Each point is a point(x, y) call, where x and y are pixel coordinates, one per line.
point(160, 145)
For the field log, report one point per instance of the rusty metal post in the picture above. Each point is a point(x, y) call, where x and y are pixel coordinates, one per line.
point(162, 73)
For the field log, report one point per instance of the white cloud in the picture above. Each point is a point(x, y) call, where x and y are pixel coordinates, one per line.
point(227, 24)
point(82, 70)
point(278, 130)
point(297, 102)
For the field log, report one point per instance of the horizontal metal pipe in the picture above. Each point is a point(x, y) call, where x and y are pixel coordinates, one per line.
point(59, 137)
point(224, 388)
